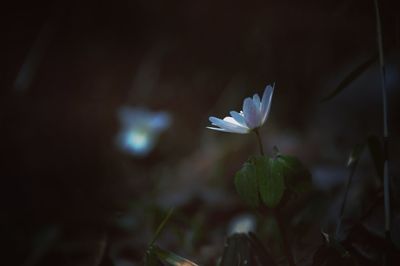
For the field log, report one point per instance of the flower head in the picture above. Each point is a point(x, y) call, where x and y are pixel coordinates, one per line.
point(254, 114)
point(140, 129)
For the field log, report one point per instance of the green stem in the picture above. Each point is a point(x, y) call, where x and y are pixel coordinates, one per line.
point(260, 144)
point(346, 192)
point(285, 243)
point(161, 226)
point(286, 247)
point(386, 181)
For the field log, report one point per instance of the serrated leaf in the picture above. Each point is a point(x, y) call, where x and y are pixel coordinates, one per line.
point(297, 176)
point(246, 184)
point(349, 78)
point(171, 258)
point(271, 181)
point(375, 148)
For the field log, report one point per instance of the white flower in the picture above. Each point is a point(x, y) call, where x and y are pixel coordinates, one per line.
point(254, 114)
point(140, 129)
point(242, 224)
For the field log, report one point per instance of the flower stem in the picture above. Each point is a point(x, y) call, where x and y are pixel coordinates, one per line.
point(260, 144)
point(277, 216)
point(286, 247)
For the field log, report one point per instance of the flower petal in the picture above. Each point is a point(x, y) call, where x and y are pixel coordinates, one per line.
point(226, 122)
point(233, 121)
point(238, 117)
point(251, 114)
point(232, 127)
point(266, 102)
point(256, 101)
point(160, 121)
point(225, 130)
point(217, 129)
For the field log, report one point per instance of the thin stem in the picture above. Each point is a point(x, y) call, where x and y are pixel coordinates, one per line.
point(286, 247)
point(346, 192)
point(260, 144)
point(159, 229)
point(386, 181)
point(161, 226)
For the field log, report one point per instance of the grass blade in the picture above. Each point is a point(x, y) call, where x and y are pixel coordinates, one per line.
point(386, 181)
point(353, 75)
point(161, 226)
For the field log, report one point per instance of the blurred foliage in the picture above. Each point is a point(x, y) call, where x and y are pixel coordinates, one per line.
point(156, 254)
point(332, 253)
point(245, 249)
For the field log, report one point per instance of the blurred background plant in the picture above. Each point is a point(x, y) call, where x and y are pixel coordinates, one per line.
point(140, 130)
point(71, 196)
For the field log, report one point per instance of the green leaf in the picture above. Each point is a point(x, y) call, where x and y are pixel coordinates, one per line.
point(351, 77)
point(297, 176)
point(171, 258)
point(246, 184)
point(271, 181)
point(265, 179)
point(375, 148)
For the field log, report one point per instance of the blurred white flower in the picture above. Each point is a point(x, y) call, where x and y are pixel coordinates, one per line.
point(244, 223)
point(254, 114)
point(140, 129)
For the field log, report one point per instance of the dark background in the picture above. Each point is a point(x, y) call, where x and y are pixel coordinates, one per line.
point(66, 68)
